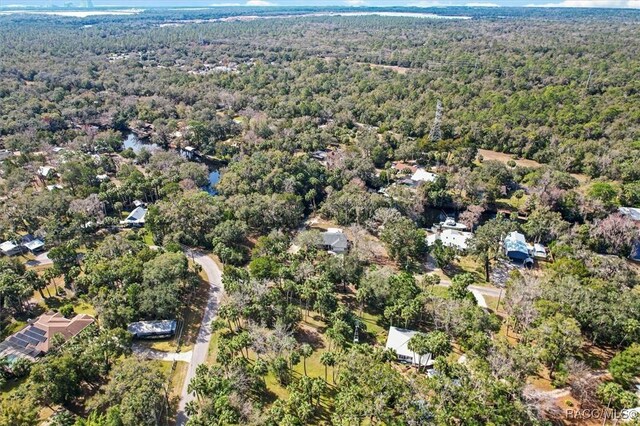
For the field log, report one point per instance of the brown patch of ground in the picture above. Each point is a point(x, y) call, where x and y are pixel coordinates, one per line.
point(309, 335)
point(488, 154)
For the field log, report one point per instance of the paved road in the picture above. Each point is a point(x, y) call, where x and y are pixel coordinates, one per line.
point(479, 298)
point(201, 347)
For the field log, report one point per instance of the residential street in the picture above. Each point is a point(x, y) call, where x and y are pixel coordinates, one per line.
point(201, 346)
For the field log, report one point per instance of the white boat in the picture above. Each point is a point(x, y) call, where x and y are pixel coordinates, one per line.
point(450, 223)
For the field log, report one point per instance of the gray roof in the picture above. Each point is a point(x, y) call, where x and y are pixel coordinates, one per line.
point(515, 242)
point(8, 246)
point(632, 212)
point(150, 328)
point(336, 240)
point(34, 244)
point(137, 215)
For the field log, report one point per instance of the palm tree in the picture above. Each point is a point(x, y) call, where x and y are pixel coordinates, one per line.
point(419, 344)
point(50, 277)
point(306, 351)
point(327, 359)
point(36, 282)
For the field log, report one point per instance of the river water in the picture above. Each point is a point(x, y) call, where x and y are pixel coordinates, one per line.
point(136, 144)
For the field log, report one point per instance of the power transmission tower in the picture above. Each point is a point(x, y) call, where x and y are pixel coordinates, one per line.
point(436, 133)
point(589, 78)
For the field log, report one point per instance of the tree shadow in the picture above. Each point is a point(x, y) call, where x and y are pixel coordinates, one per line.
point(309, 336)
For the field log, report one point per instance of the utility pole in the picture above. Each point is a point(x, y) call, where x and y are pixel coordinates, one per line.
point(436, 133)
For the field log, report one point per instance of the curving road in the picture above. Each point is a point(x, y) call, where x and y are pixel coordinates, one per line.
point(201, 346)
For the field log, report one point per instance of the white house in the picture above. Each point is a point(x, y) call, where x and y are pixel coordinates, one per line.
point(451, 238)
point(421, 175)
point(10, 248)
point(45, 171)
point(136, 217)
point(34, 245)
point(398, 340)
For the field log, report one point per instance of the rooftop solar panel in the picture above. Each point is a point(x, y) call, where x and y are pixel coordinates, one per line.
point(31, 333)
point(38, 330)
point(30, 339)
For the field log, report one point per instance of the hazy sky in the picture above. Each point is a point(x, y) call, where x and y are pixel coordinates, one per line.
point(419, 3)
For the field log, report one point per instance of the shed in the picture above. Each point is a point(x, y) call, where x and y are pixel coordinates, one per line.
point(54, 187)
point(45, 171)
point(539, 251)
point(635, 252)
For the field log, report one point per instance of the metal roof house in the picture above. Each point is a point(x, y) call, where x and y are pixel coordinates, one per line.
point(631, 212)
point(45, 171)
point(398, 339)
point(33, 244)
point(35, 339)
point(515, 246)
point(335, 240)
point(10, 248)
point(136, 217)
point(451, 238)
point(153, 329)
point(421, 175)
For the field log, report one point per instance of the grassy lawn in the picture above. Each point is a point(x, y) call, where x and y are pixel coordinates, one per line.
point(53, 301)
point(513, 203)
point(84, 307)
point(169, 345)
point(372, 323)
point(175, 380)
point(310, 330)
point(468, 264)
point(147, 237)
point(492, 303)
point(439, 291)
point(12, 327)
point(11, 387)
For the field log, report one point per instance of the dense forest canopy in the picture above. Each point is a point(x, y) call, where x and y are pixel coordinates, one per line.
point(560, 92)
